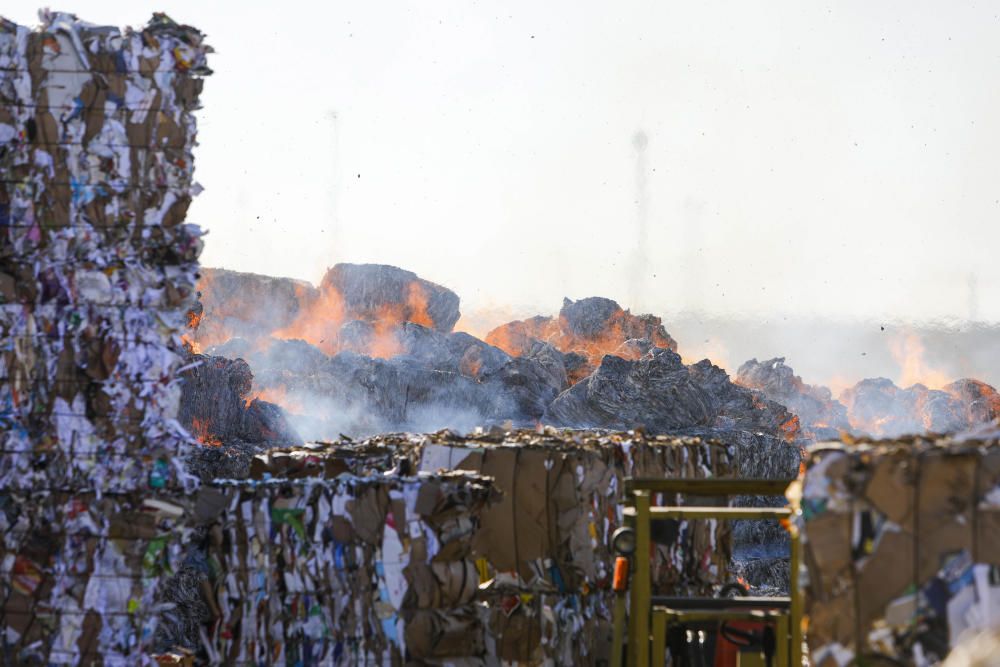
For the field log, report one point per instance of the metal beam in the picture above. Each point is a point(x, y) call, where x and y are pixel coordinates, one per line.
point(708, 604)
point(695, 513)
point(710, 487)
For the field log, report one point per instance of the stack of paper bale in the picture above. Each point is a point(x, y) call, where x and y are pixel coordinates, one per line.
point(97, 269)
point(902, 544)
point(353, 570)
point(80, 573)
point(542, 553)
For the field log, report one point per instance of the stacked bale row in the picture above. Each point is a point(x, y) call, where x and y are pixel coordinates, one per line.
point(541, 551)
point(97, 270)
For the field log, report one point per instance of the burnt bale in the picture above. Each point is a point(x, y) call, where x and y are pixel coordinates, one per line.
point(374, 292)
point(981, 401)
point(655, 393)
point(214, 405)
point(294, 355)
point(588, 318)
point(355, 336)
point(587, 329)
point(359, 395)
point(597, 318)
point(741, 408)
point(877, 407)
point(820, 415)
point(525, 386)
point(425, 346)
point(247, 304)
point(517, 337)
point(474, 356)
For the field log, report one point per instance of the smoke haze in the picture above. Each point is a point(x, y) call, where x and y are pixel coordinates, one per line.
point(807, 164)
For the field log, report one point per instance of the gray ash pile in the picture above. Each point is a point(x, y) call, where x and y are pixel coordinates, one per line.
point(820, 415)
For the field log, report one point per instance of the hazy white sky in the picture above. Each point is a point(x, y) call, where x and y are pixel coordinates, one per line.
point(833, 158)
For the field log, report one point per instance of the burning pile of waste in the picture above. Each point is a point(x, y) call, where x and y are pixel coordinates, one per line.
point(372, 350)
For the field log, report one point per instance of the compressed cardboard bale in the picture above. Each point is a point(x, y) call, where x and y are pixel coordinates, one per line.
point(886, 520)
point(77, 586)
point(891, 488)
point(828, 551)
point(546, 536)
point(987, 528)
point(104, 270)
point(518, 635)
point(833, 621)
point(433, 634)
point(945, 504)
point(884, 575)
point(353, 593)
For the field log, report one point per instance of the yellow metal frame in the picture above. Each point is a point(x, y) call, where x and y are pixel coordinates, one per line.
point(648, 624)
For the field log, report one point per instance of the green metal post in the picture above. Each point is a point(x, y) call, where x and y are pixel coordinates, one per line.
point(641, 582)
point(795, 612)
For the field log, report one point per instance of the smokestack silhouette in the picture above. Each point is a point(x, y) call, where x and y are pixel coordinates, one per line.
point(640, 262)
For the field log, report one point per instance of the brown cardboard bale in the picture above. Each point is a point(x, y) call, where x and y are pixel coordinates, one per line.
point(530, 506)
point(832, 621)
point(828, 550)
point(497, 524)
point(988, 536)
point(518, 635)
point(988, 515)
point(944, 509)
point(436, 634)
point(884, 575)
point(457, 580)
point(891, 487)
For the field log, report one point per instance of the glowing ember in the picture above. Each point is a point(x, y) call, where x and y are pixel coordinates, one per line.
point(200, 429)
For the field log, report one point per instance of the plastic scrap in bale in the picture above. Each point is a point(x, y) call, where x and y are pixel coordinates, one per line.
point(901, 547)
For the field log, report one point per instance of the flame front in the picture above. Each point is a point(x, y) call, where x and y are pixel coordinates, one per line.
point(201, 430)
point(908, 352)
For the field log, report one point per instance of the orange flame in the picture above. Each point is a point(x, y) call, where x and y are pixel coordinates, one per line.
point(908, 351)
point(319, 323)
point(279, 396)
point(515, 338)
point(791, 428)
point(200, 430)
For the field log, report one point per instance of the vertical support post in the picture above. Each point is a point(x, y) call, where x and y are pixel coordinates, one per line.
point(618, 631)
point(783, 633)
point(795, 611)
point(641, 582)
point(659, 656)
